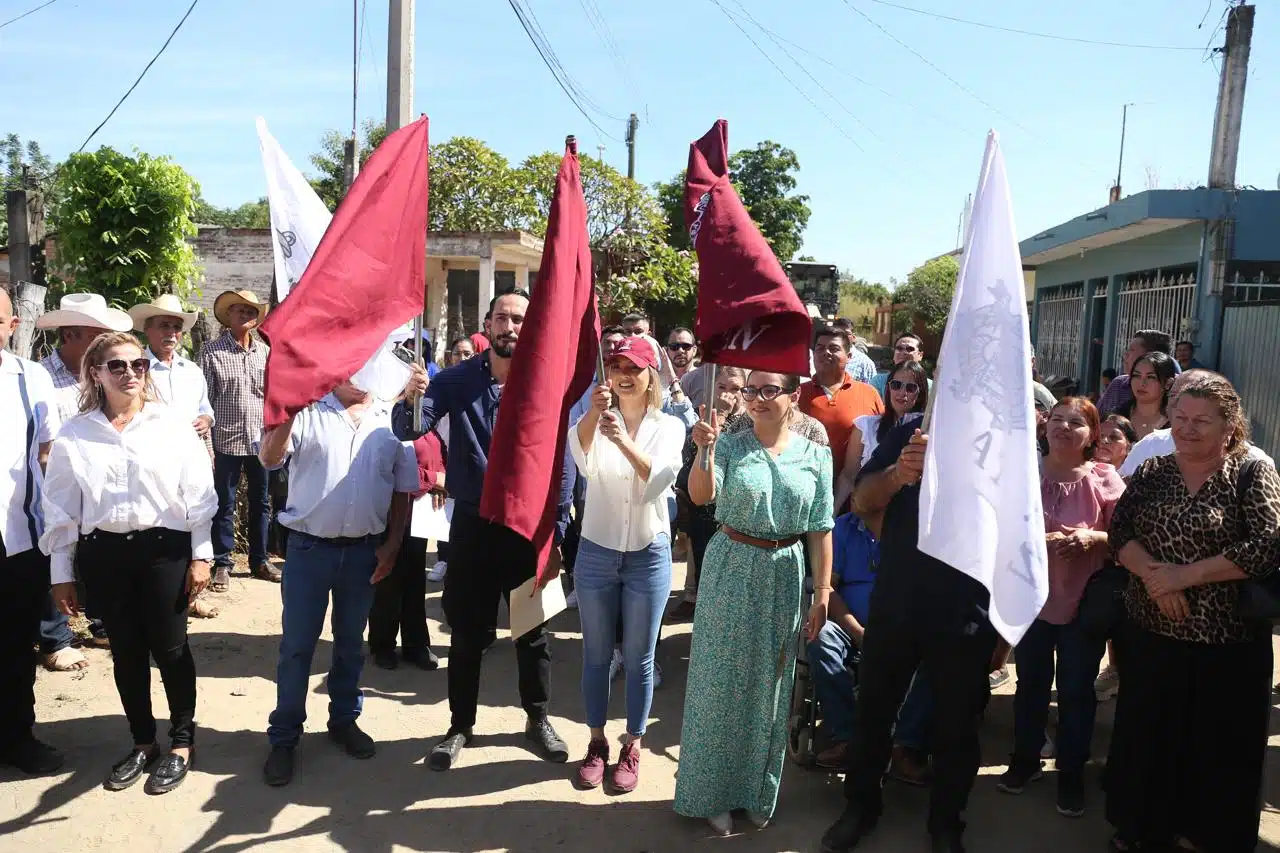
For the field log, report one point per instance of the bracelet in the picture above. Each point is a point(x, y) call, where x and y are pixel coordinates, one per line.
point(824, 589)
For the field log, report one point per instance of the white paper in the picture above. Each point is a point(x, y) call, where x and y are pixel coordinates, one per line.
point(427, 522)
point(298, 217)
point(980, 509)
point(530, 609)
point(384, 375)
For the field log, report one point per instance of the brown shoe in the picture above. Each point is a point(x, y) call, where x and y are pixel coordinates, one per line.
point(908, 767)
point(834, 756)
point(267, 572)
point(682, 612)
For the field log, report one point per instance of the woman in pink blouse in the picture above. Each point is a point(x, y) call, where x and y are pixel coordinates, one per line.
point(1078, 496)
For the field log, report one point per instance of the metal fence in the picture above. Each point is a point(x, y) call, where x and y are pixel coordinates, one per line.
point(1250, 353)
point(1058, 330)
point(1160, 299)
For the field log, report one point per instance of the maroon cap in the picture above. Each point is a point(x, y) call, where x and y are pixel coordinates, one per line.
point(637, 350)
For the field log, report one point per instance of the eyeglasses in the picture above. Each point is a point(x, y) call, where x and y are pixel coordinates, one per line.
point(766, 392)
point(462, 355)
point(905, 348)
point(899, 385)
point(118, 366)
point(681, 347)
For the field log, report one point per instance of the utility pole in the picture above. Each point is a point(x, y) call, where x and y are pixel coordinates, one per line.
point(1207, 325)
point(399, 65)
point(26, 217)
point(632, 124)
point(351, 148)
point(1124, 122)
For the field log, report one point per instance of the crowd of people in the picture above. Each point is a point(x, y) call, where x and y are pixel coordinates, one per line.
point(797, 498)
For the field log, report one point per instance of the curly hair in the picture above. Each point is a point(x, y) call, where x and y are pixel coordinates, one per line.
point(92, 397)
point(1219, 391)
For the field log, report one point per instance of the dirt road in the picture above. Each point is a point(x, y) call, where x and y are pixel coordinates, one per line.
point(500, 798)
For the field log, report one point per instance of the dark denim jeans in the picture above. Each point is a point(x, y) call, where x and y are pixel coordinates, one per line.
point(55, 629)
point(1078, 656)
point(314, 569)
point(226, 480)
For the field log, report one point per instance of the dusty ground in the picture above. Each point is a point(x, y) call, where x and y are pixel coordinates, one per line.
point(501, 797)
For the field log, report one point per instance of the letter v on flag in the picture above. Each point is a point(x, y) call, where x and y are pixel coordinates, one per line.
point(554, 363)
point(980, 509)
point(366, 278)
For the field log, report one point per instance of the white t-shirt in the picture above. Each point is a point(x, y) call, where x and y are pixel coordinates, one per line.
point(1160, 443)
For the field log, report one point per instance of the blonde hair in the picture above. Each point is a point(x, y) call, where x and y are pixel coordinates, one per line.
point(92, 397)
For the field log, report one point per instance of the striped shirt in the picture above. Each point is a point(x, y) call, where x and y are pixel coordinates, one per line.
point(235, 377)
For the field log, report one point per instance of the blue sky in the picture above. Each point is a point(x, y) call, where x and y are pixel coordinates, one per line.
point(887, 180)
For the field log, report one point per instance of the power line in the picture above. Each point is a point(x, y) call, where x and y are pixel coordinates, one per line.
point(598, 23)
point(1033, 33)
point(564, 72)
point(28, 12)
point(126, 95)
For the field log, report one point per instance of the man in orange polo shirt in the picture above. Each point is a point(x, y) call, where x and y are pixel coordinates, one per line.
point(833, 397)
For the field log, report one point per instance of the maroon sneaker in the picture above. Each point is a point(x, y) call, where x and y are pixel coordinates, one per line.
point(591, 772)
point(626, 773)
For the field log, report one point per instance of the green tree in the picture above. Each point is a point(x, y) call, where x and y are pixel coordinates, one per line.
point(860, 290)
point(251, 214)
point(329, 159)
point(927, 294)
point(25, 167)
point(474, 188)
point(123, 224)
point(609, 194)
point(671, 200)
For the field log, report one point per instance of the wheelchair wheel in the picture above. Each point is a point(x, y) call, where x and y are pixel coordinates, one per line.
point(800, 742)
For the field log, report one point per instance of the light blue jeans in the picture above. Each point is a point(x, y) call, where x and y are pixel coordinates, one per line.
point(634, 587)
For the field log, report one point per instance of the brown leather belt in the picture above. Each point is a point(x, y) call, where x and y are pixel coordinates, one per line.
point(766, 544)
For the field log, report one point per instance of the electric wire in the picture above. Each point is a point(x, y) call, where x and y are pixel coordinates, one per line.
point(26, 13)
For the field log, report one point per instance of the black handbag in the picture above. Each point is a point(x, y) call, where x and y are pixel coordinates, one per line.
point(1102, 603)
point(1256, 600)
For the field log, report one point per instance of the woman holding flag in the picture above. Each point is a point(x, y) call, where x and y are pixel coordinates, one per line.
point(773, 494)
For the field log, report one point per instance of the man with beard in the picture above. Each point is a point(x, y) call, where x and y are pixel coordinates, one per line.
point(469, 395)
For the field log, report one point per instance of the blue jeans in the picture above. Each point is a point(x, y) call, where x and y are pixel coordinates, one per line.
point(633, 587)
point(1079, 654)
point(55, 630)
point(833, 660)
point(226, 479)
point(314, 569)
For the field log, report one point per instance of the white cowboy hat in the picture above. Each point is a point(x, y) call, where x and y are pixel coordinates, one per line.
point(227, 298)
point(164, 305)
point(85, 309)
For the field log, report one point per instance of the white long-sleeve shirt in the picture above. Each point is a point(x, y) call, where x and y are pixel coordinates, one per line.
point(623, 512)
point(181, 385)
point(153, 473)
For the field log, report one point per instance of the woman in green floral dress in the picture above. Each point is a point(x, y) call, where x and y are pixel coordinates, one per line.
point(773, 493)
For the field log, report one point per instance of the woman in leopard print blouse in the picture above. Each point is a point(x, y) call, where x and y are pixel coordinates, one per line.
point(1192, 722)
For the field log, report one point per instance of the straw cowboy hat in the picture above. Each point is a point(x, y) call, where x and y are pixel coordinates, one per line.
point(164, 305)
point(85, 309)
point(227, 298)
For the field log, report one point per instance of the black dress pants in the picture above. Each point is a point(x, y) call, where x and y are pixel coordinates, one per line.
point(138, 581)
point(899, 640)
point(400, 603)
point(24, 587)
point(476, 582)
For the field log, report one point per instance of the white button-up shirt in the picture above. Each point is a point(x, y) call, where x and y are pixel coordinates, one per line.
point(623, 512)
point(342, 474)
point(20, 476)
point(153, 473)
point(181, 385)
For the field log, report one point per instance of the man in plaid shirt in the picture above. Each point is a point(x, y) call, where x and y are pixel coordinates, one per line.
point(234, 366)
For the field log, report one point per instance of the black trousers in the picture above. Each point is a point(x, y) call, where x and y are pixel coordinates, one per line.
point(472, 590)
point(400, 603)
point(24, 587)
point(956, 663)
point(139, 583)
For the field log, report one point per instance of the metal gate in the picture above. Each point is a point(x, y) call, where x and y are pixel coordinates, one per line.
point(1160, 299)
point(1058, 330)
point(1251, 350)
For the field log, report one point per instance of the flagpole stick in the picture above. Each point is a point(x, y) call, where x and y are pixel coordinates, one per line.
point(417, 358)
point(709, 393)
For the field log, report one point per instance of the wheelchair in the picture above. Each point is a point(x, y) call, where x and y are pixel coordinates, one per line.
point(802, 719)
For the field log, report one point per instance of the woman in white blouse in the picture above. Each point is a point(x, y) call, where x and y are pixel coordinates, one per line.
point(906, 392)
point(129, 485)
point(629, 456)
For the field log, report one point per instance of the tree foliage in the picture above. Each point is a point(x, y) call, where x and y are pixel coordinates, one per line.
point(474, 188)
point(25, 167)
point(860, 290)
point(251, 214)
point(123, 224)
point(328, 160)
point(927, 293)
point(609, 194)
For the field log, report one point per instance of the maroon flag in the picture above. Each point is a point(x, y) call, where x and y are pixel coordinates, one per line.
point(554, 364)
point(749, 315)
point(364, 281)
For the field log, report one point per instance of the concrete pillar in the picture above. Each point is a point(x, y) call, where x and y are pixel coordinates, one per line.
point(487, 287)
point(522, 277)
point(1083, 369)
point(437, 321)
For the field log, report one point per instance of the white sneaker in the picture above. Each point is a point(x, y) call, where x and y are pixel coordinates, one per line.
point(657, 675)
point(722, 823)
point(615, 665)
point(761, 821)
point(1108, 684)
point(438, 571)
point(571, 600)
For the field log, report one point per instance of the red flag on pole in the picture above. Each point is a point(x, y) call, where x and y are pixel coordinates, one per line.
point(749, 314)
point(365, 279)
point(554, 363)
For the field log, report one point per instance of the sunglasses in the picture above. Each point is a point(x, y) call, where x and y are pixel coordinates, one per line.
point(766, 393)
point(681, 347)
point(904, 348)
point(899, 385)
point(118, 366)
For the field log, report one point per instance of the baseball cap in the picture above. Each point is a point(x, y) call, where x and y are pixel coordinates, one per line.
point(637, 350)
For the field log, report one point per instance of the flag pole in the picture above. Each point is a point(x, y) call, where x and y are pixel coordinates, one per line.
point(417, 348)
point(709, 393)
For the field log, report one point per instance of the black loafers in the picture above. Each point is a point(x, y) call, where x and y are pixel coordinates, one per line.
point(129, 770)
point(544, 737)
point(278, 771)
point(31, 757)
point(353, 741)
point(446, 751)
point(169, 774)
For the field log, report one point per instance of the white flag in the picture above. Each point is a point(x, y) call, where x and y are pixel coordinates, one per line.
point(980, 508)
point(298, 216)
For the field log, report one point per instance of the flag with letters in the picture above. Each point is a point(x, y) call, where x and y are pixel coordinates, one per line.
point(980, 509)
point(749, 314)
